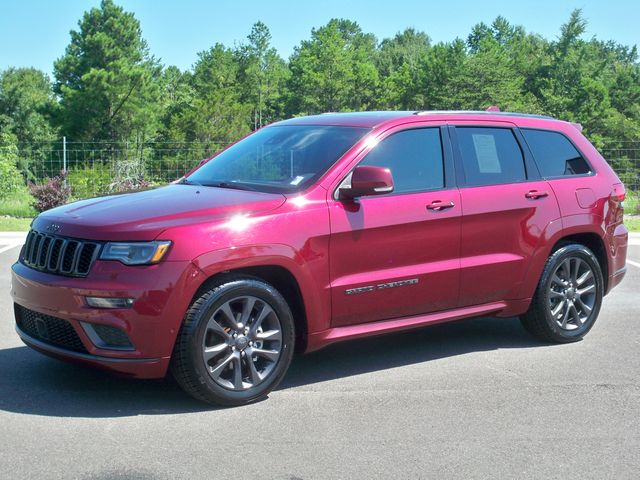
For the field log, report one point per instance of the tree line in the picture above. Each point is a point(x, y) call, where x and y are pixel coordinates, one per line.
point(107, 86)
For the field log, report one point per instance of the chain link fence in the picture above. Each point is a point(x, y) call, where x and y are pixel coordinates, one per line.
point(98, 168)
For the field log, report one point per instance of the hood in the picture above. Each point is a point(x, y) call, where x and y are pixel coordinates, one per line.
point(144, 215)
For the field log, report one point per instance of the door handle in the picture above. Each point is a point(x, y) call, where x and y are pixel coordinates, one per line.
point(535, 194)
point(438, 205)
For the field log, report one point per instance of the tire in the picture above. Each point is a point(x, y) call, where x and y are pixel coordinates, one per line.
point(568, 298)
point(238, 322)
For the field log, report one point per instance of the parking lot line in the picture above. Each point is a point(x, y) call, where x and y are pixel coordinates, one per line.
point(635, 264)
point(6, 248)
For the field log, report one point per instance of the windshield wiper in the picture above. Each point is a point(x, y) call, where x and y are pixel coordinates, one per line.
point(185, 181)
point(232, 184)
point(225, 184)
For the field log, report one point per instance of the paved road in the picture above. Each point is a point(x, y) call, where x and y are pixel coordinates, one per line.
point(475, 399)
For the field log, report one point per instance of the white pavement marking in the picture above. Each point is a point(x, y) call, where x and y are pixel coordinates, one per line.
point(634, 238)
point(635, 264)
point(6, 248)
point(9, 240)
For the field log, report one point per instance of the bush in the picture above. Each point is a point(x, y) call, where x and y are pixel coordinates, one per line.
point(51, 194)
point(130, 185)
point(9, 173)
point(90, 180)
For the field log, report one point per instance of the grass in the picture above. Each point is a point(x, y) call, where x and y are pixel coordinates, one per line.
point(18, 205)
point(11, 224)
point(632, 203)
point(632, 223)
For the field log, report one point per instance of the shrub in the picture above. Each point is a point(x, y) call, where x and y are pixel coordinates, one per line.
point(130, 185)
point(11, 180)
point(90, 180)
point(51, 194)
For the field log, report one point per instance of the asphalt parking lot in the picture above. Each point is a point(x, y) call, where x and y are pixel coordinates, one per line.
point(473, 399)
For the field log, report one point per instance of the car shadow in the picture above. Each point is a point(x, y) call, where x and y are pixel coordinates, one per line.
point(407, 348)
point(31, 383)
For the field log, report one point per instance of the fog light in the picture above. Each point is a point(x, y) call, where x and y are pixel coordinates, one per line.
point(109, 302)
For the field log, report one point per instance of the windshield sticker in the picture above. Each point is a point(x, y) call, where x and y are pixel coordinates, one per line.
point(297, 180)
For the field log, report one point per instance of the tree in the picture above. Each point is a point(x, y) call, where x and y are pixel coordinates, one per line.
point(107, 81)
point(401, 63)
point(334, 70)
point(214, 112)
point(262, 76)
point(26, 105)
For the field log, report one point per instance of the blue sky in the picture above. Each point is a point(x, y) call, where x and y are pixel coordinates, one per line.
point(36, 32)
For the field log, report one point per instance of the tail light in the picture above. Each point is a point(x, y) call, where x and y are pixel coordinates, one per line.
point(619, 193)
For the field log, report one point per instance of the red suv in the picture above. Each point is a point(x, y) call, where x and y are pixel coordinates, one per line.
point(321, 229)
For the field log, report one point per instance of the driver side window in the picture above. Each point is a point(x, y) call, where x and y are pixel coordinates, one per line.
point(414, 157)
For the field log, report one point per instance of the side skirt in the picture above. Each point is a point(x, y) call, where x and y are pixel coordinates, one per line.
point(321, 339)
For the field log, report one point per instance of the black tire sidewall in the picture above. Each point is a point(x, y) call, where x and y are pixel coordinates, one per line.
point(222, 294)
point(571, 251)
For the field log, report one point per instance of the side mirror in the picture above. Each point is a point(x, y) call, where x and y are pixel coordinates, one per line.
point(368, 180)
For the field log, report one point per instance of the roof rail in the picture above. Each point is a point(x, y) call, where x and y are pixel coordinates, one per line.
point(482, 112)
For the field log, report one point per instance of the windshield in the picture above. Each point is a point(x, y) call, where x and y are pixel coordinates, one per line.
point(279, 159)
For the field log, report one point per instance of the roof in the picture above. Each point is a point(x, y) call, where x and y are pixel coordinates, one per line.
point(373, 119)
point(351, 119)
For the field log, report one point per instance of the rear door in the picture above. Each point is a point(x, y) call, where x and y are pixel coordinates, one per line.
point(397, 254)
point(506, 207)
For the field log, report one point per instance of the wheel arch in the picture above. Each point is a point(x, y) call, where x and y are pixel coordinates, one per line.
point(588, 235)
point(302, 283)
point(593, 242)
point(281, 279)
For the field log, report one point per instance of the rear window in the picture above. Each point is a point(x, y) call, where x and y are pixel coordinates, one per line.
point(555, 154)
point(490, 156)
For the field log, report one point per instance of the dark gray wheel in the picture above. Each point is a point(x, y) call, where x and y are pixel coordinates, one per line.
point(242, 343)
point(572, 293)
point(568, 297)
point(235, 344)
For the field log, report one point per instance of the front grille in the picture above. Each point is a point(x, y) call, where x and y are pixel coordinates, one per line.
point(48, 329)
point(59, 255)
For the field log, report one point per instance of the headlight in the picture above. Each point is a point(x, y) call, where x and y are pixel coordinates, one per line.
point(135, 253)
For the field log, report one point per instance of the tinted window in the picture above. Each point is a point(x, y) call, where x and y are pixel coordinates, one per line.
point(414, 158)
point(490, 156)
point(555, 154)
point(282, 158)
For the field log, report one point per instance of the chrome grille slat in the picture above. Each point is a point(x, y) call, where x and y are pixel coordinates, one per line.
point(59, 255)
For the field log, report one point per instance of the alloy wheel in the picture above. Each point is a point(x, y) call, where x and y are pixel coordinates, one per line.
point(572, 293)
point(242, 343)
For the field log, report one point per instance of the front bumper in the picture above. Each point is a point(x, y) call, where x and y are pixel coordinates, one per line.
point(161, 294)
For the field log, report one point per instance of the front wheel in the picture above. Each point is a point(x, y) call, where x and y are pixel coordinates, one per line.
point(568, 297)
point(235, 344)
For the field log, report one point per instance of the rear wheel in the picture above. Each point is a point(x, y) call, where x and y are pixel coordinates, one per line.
point(568, 297)
point(235, 344)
